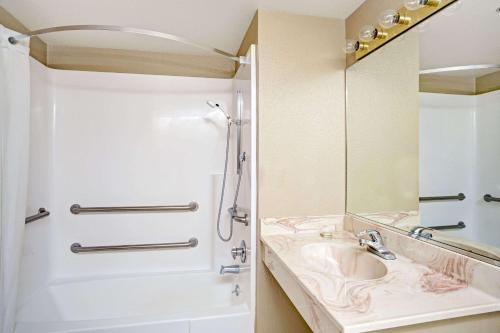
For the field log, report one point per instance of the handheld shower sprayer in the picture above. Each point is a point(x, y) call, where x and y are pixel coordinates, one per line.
point(217, 106)
point(241, 159)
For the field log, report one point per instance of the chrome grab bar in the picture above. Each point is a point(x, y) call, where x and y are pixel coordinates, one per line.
point(191, 207)
point(459, 197)
point(42, 212)
point(489, 198)
point(459, 225)
point(77, 247)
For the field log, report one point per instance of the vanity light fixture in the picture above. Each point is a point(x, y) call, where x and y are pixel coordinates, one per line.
point(417, 4)
point(369, 33)
point(390, 17)
point(352, 46)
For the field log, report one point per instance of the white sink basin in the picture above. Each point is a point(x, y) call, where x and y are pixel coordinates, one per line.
point(349, 262)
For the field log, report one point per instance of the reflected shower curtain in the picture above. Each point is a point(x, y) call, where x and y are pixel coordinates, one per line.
point(14, 152)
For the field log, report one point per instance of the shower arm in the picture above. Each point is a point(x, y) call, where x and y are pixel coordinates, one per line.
point(15, 39)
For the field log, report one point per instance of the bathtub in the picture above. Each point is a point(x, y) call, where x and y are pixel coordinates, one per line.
point(173, 303)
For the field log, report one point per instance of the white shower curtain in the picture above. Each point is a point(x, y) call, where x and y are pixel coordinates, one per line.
point(14, 152)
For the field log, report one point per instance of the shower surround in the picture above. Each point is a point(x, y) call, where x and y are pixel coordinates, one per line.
point(112, 139)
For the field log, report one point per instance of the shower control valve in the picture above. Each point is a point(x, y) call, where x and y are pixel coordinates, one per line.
point(240, 252)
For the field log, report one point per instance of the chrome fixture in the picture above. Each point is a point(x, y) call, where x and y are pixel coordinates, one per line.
point(77, 247)
point(489, 198)
point(92, 27)
point(238, 218)
point(420, 232)
point(217, 106)
point(240, 252)
point(375, 244)
point(233, 269)
point(426, 232)
point(459, 197)
point(459, 225)
point(42, 212)
point(241, 158)
point(190, 207)
point(236, 290)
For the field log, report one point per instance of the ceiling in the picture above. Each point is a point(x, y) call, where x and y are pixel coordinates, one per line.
point(217, 23)
point(465, 34)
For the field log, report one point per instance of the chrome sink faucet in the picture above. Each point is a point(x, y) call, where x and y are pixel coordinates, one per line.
point(375, 244)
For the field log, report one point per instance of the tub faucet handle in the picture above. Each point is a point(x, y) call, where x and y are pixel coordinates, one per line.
point(240, 252)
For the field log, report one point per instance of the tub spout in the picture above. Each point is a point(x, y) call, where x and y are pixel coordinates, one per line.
point(233, 269)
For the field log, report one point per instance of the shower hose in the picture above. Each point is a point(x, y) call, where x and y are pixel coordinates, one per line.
point(219, 214)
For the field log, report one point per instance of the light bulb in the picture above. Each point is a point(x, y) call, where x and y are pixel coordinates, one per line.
point(388, 18)
point(367, 33)
point(351, 46)
point(414, 4)
point(417, 4)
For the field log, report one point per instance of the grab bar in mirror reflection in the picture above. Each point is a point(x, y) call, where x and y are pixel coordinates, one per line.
point(489, 198)
point(459, 197)
point(191, 207)
point(459, 225)
point(78, 248)
point(42, 212)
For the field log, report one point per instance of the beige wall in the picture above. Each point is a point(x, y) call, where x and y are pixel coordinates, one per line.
point(301, 115)
point(487, 83)
point(442, 84)
point(382, 128)
point(139, 62)
point(458, 85)
point(301, 146)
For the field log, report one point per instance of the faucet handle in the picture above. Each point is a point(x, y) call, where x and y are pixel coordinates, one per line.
point(362, 242)
point(374, 235)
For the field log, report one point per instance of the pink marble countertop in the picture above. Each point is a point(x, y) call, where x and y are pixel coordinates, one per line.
point(409, 293)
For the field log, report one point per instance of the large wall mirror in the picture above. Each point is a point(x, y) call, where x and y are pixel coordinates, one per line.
point(423, 131)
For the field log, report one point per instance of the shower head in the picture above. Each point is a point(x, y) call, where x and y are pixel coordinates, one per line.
point(217, 106)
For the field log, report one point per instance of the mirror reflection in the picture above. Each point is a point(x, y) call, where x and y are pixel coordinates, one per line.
point(423, 130)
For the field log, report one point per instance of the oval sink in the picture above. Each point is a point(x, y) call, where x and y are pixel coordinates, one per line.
point(350, 262)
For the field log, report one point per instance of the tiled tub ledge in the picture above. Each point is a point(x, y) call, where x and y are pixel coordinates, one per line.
point(424, 284)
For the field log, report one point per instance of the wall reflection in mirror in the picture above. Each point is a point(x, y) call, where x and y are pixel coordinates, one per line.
point(423, 131)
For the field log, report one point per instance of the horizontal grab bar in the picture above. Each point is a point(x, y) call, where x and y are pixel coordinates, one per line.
point(191, 207)
point(489, 198)
point(459, 225)
point(42, 212)
point(459, 197)
point(77, 247)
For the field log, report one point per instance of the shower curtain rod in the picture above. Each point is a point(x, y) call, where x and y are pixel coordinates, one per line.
point(136, 31)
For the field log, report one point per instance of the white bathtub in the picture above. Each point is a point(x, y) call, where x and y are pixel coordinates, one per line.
point(173, 303)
